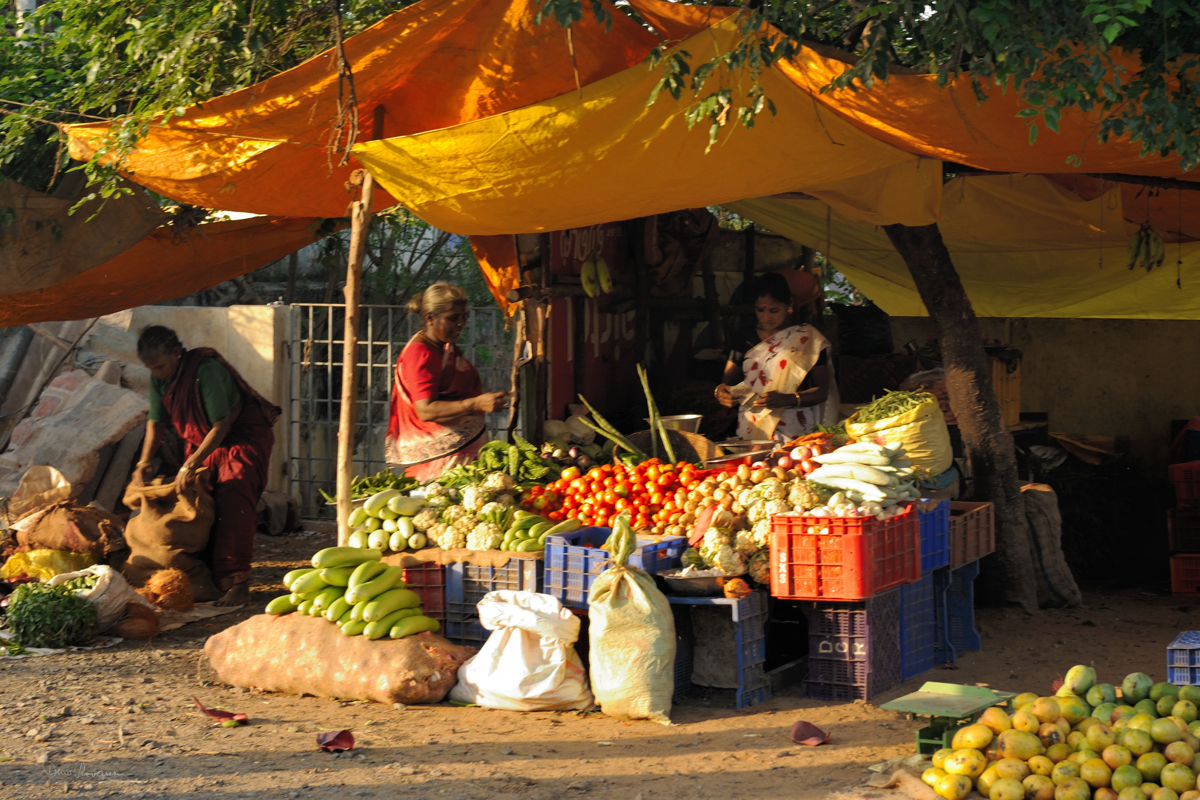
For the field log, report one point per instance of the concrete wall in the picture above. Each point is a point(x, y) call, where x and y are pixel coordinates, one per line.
point(251, 338)
point(1124, 378)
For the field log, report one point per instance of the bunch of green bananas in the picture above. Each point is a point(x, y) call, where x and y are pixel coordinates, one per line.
point(1146, 246)
point(595, 276)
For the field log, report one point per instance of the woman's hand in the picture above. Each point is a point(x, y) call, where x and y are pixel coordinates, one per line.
point(776, 400)
point(187, 473)
point(488, 402)
point(724, 396)
point(140, 473)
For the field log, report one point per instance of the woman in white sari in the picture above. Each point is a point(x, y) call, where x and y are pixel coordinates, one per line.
point(778, 373)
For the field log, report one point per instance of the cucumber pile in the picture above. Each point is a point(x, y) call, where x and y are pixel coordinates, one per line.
point(384, 522)
point(351, 588)
point(528, 532)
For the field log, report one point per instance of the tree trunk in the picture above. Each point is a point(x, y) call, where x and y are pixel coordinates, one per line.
point(969, 383)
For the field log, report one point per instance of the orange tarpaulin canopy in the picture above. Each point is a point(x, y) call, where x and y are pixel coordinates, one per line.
point(472, 90)
point(434, 64)
point(161, 268)
point(914, 114)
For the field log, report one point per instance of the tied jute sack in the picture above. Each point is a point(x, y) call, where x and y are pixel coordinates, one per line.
point(170, 532)
point(295, 654)
point(68, 526)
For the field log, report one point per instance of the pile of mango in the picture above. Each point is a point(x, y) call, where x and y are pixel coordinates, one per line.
point(1091, 741)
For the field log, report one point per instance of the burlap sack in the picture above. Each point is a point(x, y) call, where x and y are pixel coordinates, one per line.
point(1056, 587)
point(67, 526)
point(170, 532)
point(295, 654)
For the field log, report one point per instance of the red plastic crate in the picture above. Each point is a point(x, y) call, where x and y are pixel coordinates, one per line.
point(972, 532)
point(857, 558)
point(1186, 479)
point(1183, 530)
point(1185, 575)
point(428, 580)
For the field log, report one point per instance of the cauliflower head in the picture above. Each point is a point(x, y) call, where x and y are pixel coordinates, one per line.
point(485, 536)
point(729, 561)
point(475, 498)
point(497, 482)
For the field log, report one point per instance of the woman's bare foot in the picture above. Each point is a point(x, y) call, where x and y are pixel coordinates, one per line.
point(238, 595)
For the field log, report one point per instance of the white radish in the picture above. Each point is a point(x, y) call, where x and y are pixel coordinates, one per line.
point(857, 472)
point(838, 457)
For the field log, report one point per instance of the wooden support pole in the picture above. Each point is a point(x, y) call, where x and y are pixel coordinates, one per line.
point(748, 264)
point(360, 224)
point(360, 221)
point(542, 343)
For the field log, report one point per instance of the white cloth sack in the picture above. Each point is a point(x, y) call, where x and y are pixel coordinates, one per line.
point(529, 662)
point(110, 595)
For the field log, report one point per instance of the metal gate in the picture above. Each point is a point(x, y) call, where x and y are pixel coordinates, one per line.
point(315, 348)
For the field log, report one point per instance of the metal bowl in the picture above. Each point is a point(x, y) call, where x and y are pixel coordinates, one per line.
point(747, 446)
point(681, 422)
point(694, 587)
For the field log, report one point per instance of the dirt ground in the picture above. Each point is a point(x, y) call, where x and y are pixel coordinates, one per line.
point(120, 722)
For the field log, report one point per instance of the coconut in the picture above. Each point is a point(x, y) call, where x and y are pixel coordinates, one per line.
point(173, 590)
point(139, 622)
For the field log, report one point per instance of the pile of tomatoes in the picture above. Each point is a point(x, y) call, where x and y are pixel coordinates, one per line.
point(654, 493)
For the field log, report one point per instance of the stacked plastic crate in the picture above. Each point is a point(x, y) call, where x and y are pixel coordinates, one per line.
point(849, 573)
point(749, 617)
point(466, 584)
point(919, 632)
point(972, 536)
point(1183, 530)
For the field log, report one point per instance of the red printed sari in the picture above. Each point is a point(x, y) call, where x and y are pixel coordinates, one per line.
point(238, 466)
point(427, 449)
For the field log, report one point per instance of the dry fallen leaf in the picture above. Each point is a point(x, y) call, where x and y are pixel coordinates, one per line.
point(220, 716)
point(335, 742)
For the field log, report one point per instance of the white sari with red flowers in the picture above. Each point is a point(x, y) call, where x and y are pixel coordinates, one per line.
point(780, 363)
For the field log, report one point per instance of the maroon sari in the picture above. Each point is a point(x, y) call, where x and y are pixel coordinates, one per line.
point(238, 467)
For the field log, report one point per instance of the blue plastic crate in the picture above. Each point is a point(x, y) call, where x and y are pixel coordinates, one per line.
point(918, 627)
point(749, 618)
point(685, 645)
point(571, 568)
point(935, 536)
point(853, 647)
point(466, 584)
point(943, 650)
point(1184, 676)
point(756, 689)
point(465, 630)
point(1183, 659)
point(960, 608)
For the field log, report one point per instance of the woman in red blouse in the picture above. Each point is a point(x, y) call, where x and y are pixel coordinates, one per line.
point(438, 402)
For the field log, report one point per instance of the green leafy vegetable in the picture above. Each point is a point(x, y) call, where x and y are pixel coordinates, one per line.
point(50, 616)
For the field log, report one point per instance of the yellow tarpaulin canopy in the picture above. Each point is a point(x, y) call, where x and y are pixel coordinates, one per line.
point(602, 153)
point(1023, 246)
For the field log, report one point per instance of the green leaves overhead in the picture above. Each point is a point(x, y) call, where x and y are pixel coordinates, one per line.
point(89, 59)
point(1131, 63)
